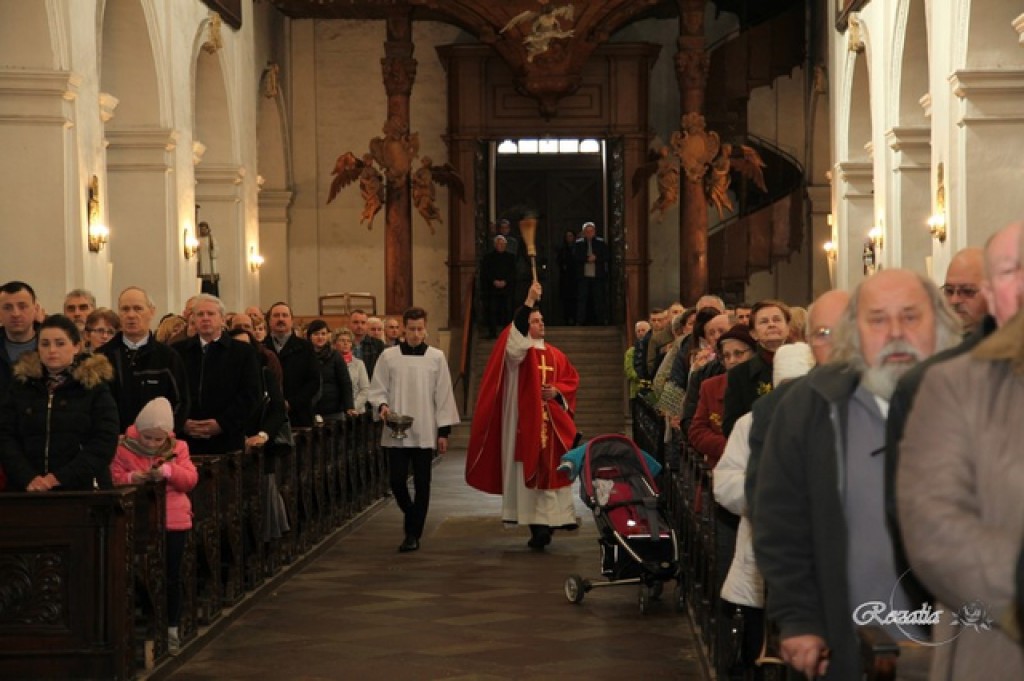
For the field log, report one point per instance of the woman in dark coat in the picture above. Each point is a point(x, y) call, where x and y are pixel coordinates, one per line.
point(335, 383)
point(59, 423)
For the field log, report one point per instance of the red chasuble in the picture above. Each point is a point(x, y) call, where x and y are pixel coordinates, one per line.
point(545, 429)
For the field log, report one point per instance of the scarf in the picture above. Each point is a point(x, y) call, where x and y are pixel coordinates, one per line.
point(162, 454)
point(347, 356)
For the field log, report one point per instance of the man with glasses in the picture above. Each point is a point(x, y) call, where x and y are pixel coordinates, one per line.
point(963, 283)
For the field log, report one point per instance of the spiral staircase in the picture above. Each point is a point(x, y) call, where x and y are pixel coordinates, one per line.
point(767, 226)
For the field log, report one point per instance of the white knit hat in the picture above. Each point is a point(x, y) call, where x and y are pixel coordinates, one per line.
point(156, 415)
point(791, 361)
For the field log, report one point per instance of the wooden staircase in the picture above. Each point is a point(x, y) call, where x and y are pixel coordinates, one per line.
point(596, 352)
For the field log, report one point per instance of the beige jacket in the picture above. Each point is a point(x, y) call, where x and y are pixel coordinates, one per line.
point(960, 490)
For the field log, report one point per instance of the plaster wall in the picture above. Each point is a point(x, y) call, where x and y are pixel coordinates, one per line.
point(335, 65)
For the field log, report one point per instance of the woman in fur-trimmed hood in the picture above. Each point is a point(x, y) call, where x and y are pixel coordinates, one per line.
point(59, 423)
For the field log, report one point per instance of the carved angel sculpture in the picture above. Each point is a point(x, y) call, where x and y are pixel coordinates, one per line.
point(395, 151)
point(424, 192)
point(718, 176)
point(545, 28)
point(667, 168)
point(348, 169)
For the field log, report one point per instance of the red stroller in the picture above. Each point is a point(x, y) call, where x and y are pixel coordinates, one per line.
point(638, 544)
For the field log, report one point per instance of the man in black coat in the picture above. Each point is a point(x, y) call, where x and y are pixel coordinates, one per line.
point(497, 280)
point(364, 346)
point(143, 367)
point(224, 382)
point(591, 255)
point(298, 362)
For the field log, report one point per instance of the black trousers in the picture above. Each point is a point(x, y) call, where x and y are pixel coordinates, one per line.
point(175, 551)
point(592, 301)
point(415, 509)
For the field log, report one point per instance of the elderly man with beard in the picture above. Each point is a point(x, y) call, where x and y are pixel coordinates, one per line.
point(820, 536)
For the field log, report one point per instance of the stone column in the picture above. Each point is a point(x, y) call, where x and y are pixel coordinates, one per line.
point(692, 70)
point(399, 69)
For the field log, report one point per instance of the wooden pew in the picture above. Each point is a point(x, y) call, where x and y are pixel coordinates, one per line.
point(149, 555)
point(253, 503)
point(206, 535)
point(66, 607)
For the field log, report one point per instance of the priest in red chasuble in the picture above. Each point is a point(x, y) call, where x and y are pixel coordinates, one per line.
point(523, 424)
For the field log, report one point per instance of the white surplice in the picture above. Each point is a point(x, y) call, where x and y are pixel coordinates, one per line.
point(418, 386)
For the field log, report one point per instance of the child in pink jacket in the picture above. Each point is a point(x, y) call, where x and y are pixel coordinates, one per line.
point(148, 451)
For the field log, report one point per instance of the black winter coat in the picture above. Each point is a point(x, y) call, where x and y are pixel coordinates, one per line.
point(336, 384)
point(301, 378)
point(224, 384)
point(73, 435)
point(154, 370)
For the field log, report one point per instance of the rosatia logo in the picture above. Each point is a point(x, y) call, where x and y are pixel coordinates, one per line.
point(973, 615)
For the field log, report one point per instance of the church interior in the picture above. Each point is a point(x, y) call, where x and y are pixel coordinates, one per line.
point(750, 149)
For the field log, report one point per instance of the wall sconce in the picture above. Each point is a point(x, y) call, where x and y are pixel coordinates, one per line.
point(937, 222)
point(98, 233)
point(831, 252)
point(255, 260)
point(872, 254)
point(831, 255)
point(191, 244)
point(937, 226)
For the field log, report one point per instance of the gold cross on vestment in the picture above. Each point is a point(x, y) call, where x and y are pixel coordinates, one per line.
point(544, 369)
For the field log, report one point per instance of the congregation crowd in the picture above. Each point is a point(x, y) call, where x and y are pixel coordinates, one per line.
point(865, 465)
point(93, 398)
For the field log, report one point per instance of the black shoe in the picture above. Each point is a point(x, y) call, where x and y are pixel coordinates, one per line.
point(540, 537)
point(410, 544)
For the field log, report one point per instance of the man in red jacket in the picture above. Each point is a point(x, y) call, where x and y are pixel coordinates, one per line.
point(522, 426)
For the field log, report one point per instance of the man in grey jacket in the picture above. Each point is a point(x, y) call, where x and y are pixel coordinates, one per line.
point(820, 536)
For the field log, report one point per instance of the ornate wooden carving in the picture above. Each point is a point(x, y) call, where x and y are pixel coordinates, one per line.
point(66, 578)
point(691, 69)
point(31, 586)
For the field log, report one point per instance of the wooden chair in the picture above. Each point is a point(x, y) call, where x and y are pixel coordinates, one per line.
point(344, 303)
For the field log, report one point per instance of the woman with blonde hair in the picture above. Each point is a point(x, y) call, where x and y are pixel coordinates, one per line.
point(170, 327)
point(344, 339)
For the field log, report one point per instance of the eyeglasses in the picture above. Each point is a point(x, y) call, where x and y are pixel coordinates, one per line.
point(962, 290)
point(101, 331)
point(821, 336)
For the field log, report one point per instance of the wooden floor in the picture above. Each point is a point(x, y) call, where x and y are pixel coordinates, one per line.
point(474, 603)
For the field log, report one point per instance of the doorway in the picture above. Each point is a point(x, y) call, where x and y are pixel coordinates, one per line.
point(563, 190)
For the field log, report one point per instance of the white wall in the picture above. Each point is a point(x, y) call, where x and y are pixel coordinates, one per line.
point(61, 140)
point(969, 122)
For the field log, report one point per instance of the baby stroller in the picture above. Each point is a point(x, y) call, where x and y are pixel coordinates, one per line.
point(638, 544)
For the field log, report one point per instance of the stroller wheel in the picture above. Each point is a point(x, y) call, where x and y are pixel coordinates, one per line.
point(574, 589)
point(680, 597)
point(644, 600)
point(656, 590)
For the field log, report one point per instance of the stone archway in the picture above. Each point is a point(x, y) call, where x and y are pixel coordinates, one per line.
point(144, 247)
point(909, 142)
point(854, 181)
point(44, 194)
point(276, 190)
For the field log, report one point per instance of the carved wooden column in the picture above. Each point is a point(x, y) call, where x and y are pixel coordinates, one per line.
point(399, 69)
point(692, 71)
